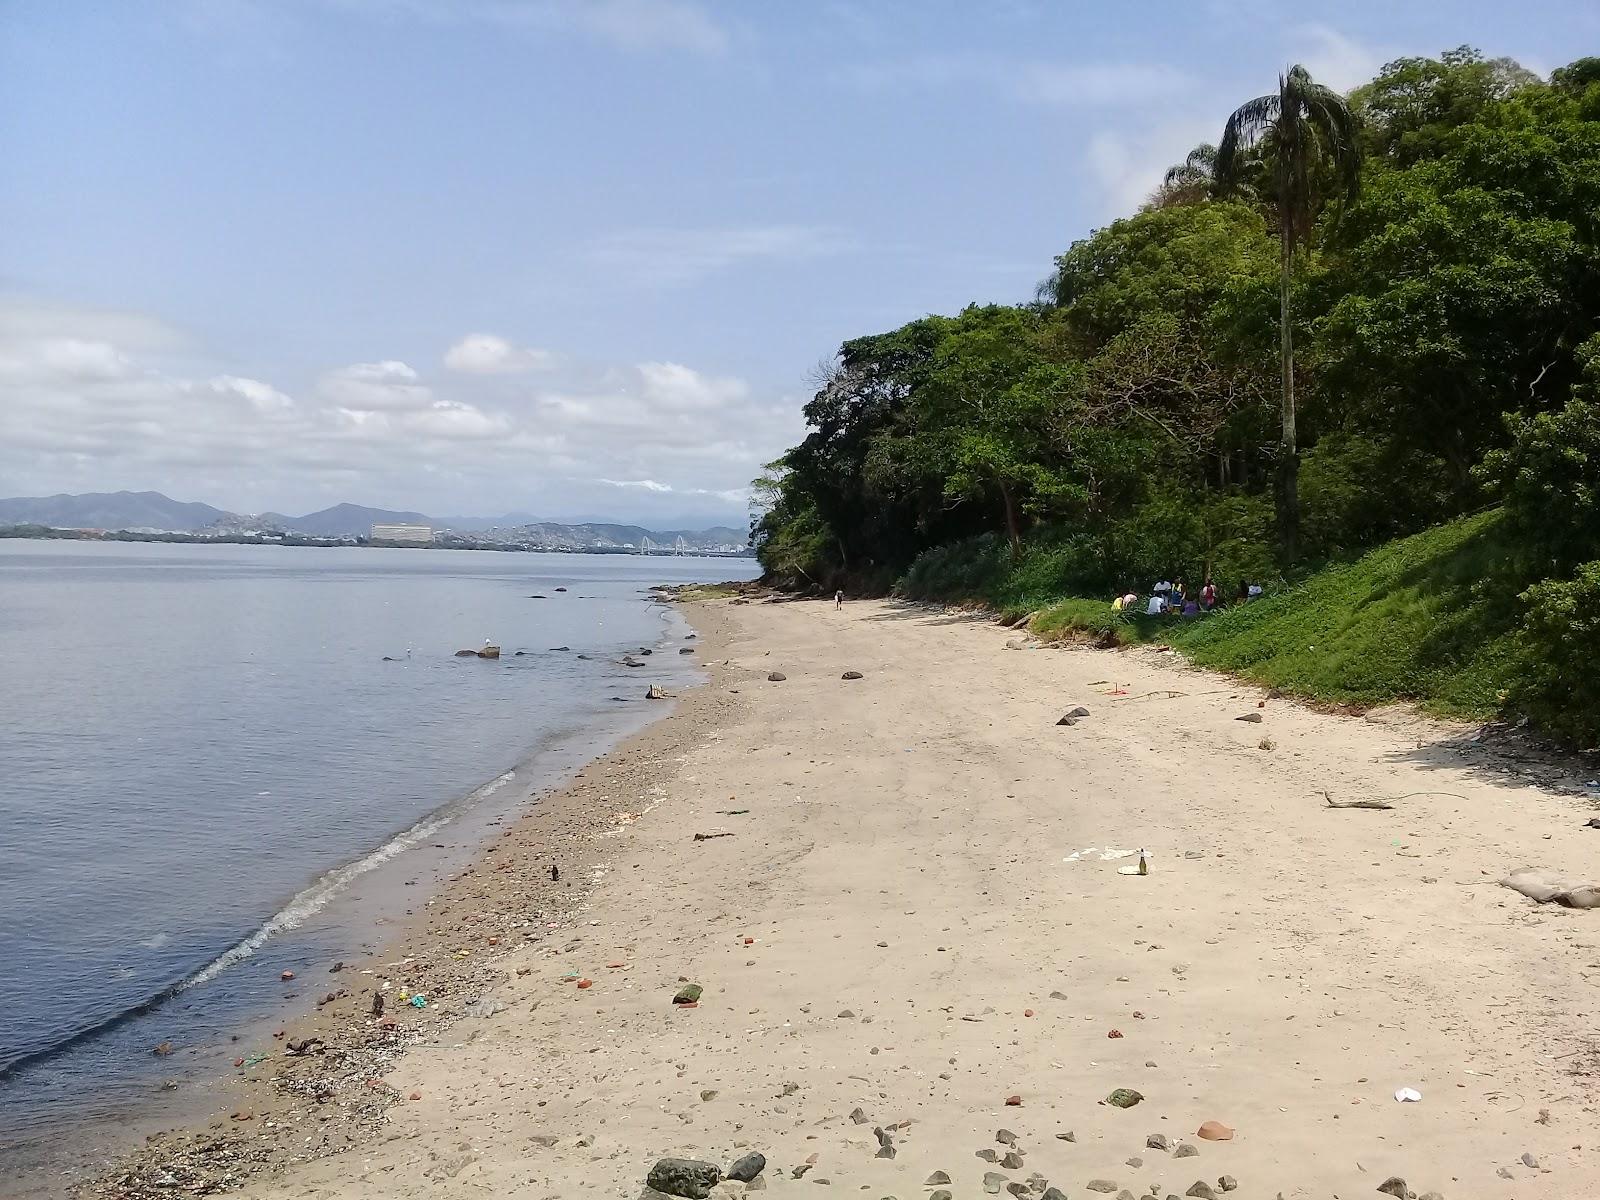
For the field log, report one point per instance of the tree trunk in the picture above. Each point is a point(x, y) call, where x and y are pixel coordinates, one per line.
point(1289, 459)
point(1013, 523)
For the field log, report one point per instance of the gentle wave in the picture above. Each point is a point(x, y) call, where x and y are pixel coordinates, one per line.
point(315, 898)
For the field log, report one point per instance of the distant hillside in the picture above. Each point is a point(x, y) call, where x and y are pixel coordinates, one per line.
point(152, 510)
point(109, 510)
point(351, 520)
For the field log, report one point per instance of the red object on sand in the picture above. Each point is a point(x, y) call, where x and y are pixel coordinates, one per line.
point(1013, 1101)
point(1027, 1012)
point(585, 983)
point(1115, 1033)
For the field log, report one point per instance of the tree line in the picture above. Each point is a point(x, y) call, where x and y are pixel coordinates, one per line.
point(1353, 317)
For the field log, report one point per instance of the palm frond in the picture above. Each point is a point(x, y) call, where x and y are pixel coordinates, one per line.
point(1243, 130)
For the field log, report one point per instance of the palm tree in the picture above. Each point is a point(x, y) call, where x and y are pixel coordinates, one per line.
point(1190, 181)
point(1308, 132)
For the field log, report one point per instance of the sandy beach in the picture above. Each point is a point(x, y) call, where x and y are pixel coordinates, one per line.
point(918, 933)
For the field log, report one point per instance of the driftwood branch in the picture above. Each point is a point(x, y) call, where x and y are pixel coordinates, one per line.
point(1332, 803)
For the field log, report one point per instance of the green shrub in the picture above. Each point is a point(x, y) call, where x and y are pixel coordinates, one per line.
point(1556, 682)
point(1549, 476)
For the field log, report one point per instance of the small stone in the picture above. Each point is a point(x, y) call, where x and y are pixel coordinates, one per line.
point(1124, 1098)
point(1185, 1150)
point(1396, 1187)
point(936, 1178)
point(1058, 995)
point(993, 1182)
point(1505, 1173)
point(1005, 1137)
point(776, 677)
point(942, 1194)
point(1012, 1161)
point(1201, 1190)
point(708, 1095)
point(857, 1117)
point(1432, 1196)
point(1053, 1193)
point(748, 1167)
point(689, 994)
point(1101, 1185)
point(1125, 1194)
point(884, 1151)
point(1068, 1136)
point(1135, 1162)
point(1080, 711)
point(851, 675)
point(1013, 1101)
point(1018, 1189)
point(686, 1177)
point(1227, 1183)
point(1529, 1160)
point(846, 1015)
point(1158, 1141)
point(988, 1155)
point(758, 1184)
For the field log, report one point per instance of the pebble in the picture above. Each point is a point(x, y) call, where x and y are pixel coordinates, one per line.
point(1053, 1193)
point(1005, 1137)
point(1068, 1136)
point(1101, 1185)
point(748, 1167)
point(1135, 1162)
point(942, 1194)
point(988, 1155)
point(1158, 1141)
point(1529, 1160)
point(937, 1178)
point(1395, 1186)
point(1201, 1190)
point(1227, 1183)
point(992, 1182)
point(1012, 1161)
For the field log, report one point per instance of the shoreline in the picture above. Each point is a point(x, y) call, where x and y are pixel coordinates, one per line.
point(918, 918)
point(257, 1120)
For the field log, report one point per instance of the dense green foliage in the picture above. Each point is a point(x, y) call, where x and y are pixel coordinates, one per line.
point(1128, 424)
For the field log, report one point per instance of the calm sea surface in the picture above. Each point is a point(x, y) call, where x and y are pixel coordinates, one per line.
point(207, 766)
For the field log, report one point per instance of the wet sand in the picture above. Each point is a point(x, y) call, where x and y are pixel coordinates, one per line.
point(915, 920)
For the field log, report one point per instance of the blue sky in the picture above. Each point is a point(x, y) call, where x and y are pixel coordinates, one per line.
point(571, 258)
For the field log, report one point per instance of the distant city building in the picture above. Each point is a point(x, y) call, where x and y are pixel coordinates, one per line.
point(421, 535)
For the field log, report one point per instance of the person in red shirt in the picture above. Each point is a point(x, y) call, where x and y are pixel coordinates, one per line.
point(1208, 596)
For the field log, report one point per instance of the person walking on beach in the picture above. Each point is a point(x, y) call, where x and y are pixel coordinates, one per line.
point(838, 599)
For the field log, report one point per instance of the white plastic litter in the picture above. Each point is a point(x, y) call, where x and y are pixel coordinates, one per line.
point(1407, 1095)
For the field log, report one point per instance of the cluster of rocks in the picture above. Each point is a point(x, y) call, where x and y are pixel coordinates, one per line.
point(694, 1179)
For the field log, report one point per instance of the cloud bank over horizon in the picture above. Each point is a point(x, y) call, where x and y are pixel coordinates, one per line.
point(105, 401)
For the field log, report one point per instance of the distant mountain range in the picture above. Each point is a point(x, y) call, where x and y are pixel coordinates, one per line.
point(154, 511)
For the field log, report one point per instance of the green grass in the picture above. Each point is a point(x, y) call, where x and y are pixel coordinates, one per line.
point(1430, 619)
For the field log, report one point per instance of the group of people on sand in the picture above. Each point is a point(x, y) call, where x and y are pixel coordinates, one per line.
point(1173, 598)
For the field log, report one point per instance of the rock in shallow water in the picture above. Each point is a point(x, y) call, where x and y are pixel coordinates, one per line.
point(687, 1177)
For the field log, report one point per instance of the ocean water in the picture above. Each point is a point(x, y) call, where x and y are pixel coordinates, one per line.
point(208, 770)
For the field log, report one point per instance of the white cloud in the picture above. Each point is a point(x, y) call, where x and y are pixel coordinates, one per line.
point(675, 256)
point(673, 386)
point(1333, 59)
point(387, 386)
point(1128, 166)
point(99, 416)
point(487, 354)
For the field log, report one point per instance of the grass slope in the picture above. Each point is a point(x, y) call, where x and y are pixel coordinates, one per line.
point(1430, 619)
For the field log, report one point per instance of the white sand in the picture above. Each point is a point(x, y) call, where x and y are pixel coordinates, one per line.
point(903, 860)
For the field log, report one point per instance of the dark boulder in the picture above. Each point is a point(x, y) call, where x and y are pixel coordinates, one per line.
point(687, 1177)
